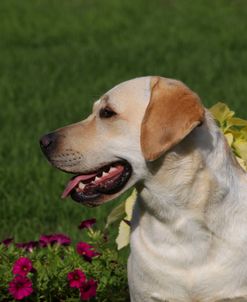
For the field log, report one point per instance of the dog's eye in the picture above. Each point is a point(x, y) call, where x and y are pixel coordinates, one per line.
point(106, 113)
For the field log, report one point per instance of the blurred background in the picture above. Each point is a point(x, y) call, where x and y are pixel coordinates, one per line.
point(58, 56)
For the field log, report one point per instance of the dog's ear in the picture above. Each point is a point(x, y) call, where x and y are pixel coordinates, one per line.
point(172, 113)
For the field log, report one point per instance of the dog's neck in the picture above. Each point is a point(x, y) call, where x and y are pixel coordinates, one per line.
point(187, 190)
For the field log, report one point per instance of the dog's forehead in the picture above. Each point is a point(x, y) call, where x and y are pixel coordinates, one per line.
point(132, 91)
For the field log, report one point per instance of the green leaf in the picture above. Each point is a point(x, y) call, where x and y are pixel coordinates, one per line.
point(235, 121)
point(229, 138)
point(241, 148)
point(243, 163)
point(243, 133)
point(124, 229)
point(221, 112)
point(236, 133)
point(123, 237)
point(116, 214)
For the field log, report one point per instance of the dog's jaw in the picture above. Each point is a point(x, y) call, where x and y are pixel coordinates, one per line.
point(99, 185)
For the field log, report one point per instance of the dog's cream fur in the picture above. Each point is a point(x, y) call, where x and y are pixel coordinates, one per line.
point(189, 226)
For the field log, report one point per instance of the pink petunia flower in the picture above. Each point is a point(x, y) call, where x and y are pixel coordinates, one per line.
point(86, 250)
point(20, 287)
point(46, 240)
point(86, 224)
point(88, 290)
point(76, 278)
point(28, 246)
point(60, 239)
point(7, 241)
point(22, 266)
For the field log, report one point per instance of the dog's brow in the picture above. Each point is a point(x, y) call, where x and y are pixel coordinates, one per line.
point(105, 98)
point(96, 104)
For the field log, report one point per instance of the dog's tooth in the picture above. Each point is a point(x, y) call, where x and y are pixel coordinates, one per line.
point(81, 185)
point(97, 178)
point(113, 169)
point(104, 174)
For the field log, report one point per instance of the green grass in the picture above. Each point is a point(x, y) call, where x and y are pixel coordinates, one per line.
point(57, 57)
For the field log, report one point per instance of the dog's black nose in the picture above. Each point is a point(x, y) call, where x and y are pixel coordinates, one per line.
point(47, 142)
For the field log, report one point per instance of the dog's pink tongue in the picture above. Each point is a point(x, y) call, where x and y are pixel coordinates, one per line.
point(74, 182)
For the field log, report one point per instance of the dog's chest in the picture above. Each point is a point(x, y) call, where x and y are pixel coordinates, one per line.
point(181, 243)
point(177, 261)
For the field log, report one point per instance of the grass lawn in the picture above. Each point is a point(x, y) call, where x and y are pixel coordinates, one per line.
point(58, 56)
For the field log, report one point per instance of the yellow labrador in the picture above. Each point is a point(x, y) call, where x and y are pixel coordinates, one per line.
point(189, 226)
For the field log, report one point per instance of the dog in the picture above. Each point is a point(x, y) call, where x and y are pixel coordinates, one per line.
point(189, 226)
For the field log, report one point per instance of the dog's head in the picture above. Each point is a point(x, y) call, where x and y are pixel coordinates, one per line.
point(135, 122)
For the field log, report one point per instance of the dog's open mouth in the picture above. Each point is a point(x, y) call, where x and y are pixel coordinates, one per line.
point(107, 180)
